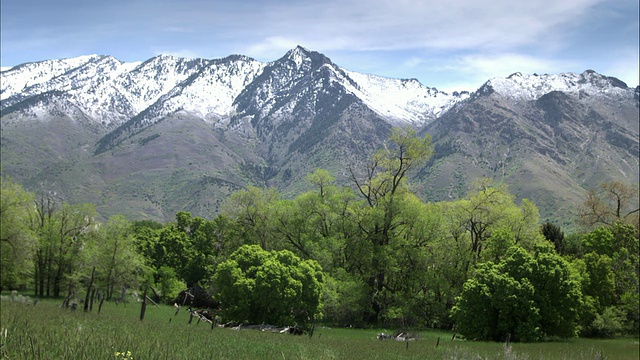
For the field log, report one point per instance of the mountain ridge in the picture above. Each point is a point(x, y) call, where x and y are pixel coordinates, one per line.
point(269, 124)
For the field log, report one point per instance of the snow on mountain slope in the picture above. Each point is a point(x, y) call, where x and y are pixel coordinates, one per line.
point(532, 87)
point(301, 75)
point(111, 92)
point(209, 93)
point(90, 88)
point(19, 78)
point(402, 100)
point(281, 81)
point(147, 82)
point(105, 89)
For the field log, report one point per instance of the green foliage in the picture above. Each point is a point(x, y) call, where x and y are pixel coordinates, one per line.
point(250, 209)
point(117, 261)
point(600, 280)
point(495, 306)
point(168, 284)
point(608, 324)
point(525, 296)
point(17, 241)
point(555, 235)
point(610, 281)
point(371, 254)
point(498, 243)
point(601, 241)
point(270, 287)
point(60, 256)
point(345, 299)
point(384, 219)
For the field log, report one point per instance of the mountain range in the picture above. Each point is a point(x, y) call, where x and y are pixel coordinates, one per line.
point(148, 139)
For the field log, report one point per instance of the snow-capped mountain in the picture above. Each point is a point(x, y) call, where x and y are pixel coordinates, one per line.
point(531, 87)
point(111, 92)
point(171, 134)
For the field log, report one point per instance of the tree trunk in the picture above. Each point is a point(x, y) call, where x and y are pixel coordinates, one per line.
point(93, 293)
point(48, 272)
point(101, 302)
point(143, 308)
point(86, 298)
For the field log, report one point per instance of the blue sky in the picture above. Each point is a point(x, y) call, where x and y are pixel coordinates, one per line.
point(451, 45)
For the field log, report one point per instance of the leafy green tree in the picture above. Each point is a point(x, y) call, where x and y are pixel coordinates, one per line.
point(168, 284)
point(600, 241)
point(498, 243)
point(385, 193)
point(272, 287)
point(525, 296)
point(495, 306)
point(600, 280)
point(608, 324)
point(250, 209)
point(610, 280)
point(117, 260)
point(488, 217)
point(191, 248)
point(316, 224)
point(62, 229)
point(557, 294)
point(345, 298)
point(17, 240)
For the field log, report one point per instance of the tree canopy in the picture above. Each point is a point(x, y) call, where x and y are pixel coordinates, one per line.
point(268, 287)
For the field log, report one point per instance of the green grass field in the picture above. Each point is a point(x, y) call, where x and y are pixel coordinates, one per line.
point(47, 331)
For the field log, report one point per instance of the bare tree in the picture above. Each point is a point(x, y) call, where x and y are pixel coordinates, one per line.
point(609, 203)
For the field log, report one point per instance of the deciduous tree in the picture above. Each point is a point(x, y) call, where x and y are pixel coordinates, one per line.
point(270, 287)
point(17, 240)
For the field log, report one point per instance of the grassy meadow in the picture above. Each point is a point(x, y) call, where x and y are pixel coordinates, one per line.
point(47, 331)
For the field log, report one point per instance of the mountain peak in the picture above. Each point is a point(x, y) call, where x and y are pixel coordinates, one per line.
point(300, 55)
point(596, 79)
point(533, 86)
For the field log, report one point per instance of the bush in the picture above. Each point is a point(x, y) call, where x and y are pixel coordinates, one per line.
point(607, 325)
point(524, 298)
point(268, 287)
point(168, 284)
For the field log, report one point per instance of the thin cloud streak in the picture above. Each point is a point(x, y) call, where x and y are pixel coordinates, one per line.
point(459, 42)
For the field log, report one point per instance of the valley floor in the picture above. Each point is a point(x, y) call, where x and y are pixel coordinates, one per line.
point(47, 331)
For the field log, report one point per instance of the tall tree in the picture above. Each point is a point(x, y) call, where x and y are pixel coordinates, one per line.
point(385, 192)
point(61, 230)
point(250, 209)
point(118, 262)
point(555, 235)
point(490, 209)
point(17, 241)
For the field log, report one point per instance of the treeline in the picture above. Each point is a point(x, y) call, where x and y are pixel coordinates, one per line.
point(369, 253)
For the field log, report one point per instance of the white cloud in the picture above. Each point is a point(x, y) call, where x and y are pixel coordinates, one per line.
point(403, 24)
point(469, 72)
point(487, 66)
point(400, 38)
point(271, 47)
